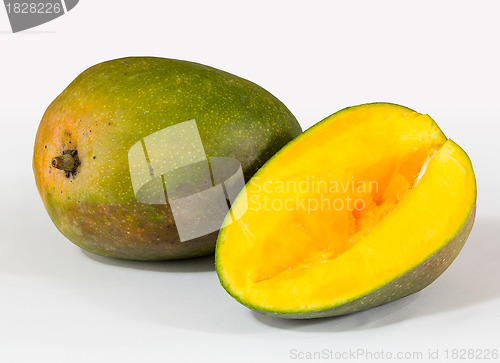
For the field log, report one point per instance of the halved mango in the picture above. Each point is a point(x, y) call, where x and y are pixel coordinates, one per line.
point(370, 205)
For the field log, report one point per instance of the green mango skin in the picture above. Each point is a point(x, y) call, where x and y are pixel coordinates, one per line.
point(112, 106)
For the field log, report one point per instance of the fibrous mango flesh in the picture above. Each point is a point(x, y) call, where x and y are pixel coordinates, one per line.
point(370, 205)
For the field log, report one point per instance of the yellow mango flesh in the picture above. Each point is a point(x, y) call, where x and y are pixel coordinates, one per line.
point(358, 200)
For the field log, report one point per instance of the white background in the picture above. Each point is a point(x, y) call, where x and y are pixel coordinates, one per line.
point(59, 304)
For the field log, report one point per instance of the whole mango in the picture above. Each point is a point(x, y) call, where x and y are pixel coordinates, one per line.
point(140, 158)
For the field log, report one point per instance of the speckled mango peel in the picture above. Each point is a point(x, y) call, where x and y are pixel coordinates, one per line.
point(109, 108)
point(294, 263)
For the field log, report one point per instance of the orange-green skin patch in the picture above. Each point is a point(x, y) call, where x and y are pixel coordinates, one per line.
point(112, 106)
